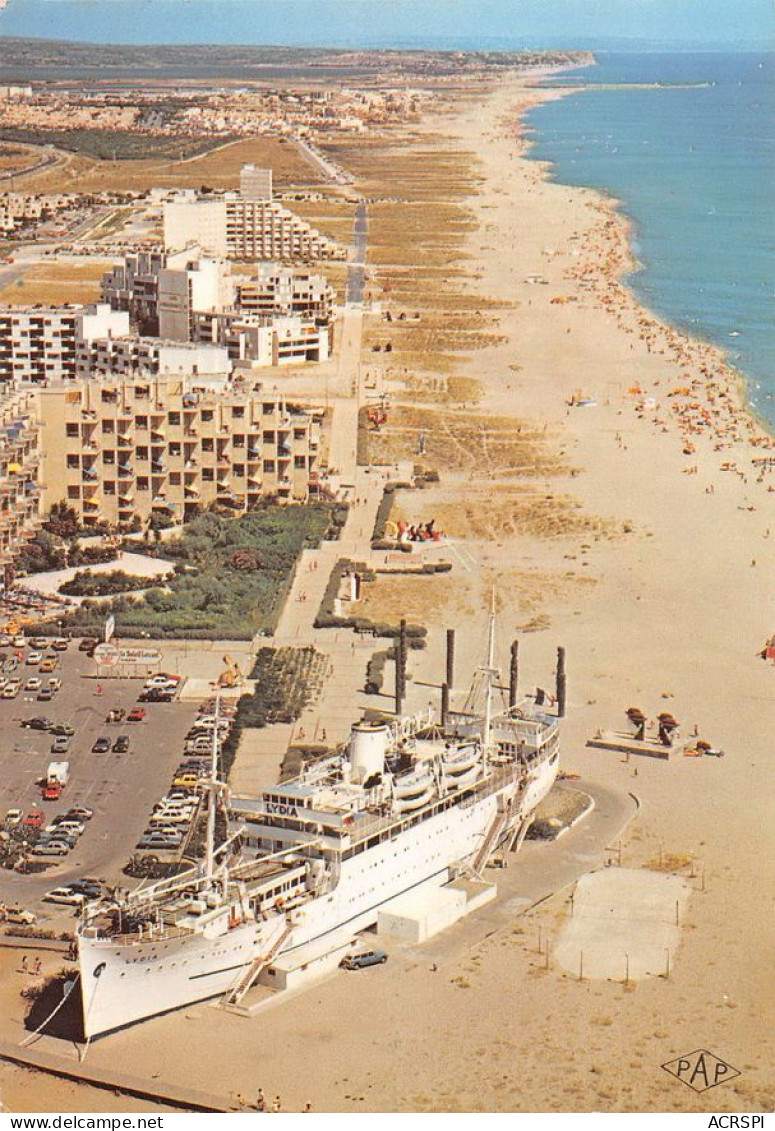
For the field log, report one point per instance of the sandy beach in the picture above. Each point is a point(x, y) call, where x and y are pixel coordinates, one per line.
point(657, 578)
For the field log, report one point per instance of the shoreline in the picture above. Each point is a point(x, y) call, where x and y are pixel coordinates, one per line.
point(619, 207)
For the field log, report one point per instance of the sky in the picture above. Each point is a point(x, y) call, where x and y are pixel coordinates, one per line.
point(682, 24)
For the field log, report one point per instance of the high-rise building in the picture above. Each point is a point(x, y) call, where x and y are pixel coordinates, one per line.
point(255, 183)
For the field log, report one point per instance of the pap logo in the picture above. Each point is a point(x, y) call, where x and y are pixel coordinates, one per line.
point(701, 1070)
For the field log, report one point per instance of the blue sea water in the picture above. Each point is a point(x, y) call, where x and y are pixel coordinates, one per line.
point(694, 169)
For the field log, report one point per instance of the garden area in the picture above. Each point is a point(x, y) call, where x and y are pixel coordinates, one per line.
point(230, 580)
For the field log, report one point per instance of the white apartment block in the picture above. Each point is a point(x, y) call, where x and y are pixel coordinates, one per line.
point(234, 228)
point(282, 291)
point(255, 183)
point(38, 343)
point(105, 358)
point(263, 341)
point(170, 446)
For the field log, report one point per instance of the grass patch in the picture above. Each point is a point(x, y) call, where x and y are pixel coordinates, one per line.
point(212, 594)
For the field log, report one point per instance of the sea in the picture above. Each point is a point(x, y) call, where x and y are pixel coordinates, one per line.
point(691, 160)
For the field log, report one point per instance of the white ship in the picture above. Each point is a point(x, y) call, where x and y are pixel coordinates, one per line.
point(399, 806)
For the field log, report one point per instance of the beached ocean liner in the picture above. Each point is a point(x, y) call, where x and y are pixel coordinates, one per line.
point(402, 805)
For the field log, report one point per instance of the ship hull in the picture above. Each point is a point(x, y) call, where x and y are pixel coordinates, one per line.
point(132, 979)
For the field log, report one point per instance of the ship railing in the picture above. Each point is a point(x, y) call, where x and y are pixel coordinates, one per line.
point(497, 780)
point(137, 938)
point(192, 876)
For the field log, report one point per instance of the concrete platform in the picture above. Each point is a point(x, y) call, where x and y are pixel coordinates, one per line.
point(419, 915)
point(617, 740)
point(626, 923)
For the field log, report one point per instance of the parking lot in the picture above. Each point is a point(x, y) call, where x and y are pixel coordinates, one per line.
point(121, 788)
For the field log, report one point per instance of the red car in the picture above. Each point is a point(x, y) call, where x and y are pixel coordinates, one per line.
point(52, 791)
point(136, 715)
point(34, 819)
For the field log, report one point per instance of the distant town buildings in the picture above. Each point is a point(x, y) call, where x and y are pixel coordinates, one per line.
point(132, 448)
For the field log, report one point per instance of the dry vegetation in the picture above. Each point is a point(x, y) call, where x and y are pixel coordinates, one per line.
point(218, 169)
point(418, 598)
point(57, 283)
point(486, 446)
point(493, 513)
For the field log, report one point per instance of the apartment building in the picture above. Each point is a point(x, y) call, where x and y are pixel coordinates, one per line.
point(19, 456)
point(230, 226)
point(255, 183)
point(38, 343)
point(264, 341)
point(281, 291)
point(105, 358)
point(171, 445)
point(133, 286)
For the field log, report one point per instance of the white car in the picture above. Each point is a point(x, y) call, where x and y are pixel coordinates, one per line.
point(34, 658)
point(39, 642)
point(54, 683)
point(75, 828)
point(11, 689)
point(66, 896)
point(14, 817)
point(33, 684)
point(51, 848)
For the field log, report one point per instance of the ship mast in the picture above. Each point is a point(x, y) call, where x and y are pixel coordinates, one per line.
point(213, 788)
point(489, 673)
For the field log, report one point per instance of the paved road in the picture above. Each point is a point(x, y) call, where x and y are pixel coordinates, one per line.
point(356, 272)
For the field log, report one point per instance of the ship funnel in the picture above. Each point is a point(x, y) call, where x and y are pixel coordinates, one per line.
point(368, 746)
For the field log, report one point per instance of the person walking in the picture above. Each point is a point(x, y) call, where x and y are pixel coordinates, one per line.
point(277, 1105)
point(24, 964)
point(306, 1109)
point(260, 1100)
point(38, 970)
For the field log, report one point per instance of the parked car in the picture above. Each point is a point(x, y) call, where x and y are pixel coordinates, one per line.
point(51, 848)
point(156, 695)
point(45, 695)
point(65, 896)
point(116, 715)
point(34, 819)
point(88, 644)
point(92, 889)
point(61, 644)
point(12, 913)
point(33, 684)
point(13, 817)
point(365, 958)
point(136, 715)
point(54, 683)
point(48, 665)
point(101, 746)
point(60, 745)
point(80, 812)
point(34, 658)
point(40, 722)
point(59, 835)
point(71, 825)
point(63, 729)
point(121, 745)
